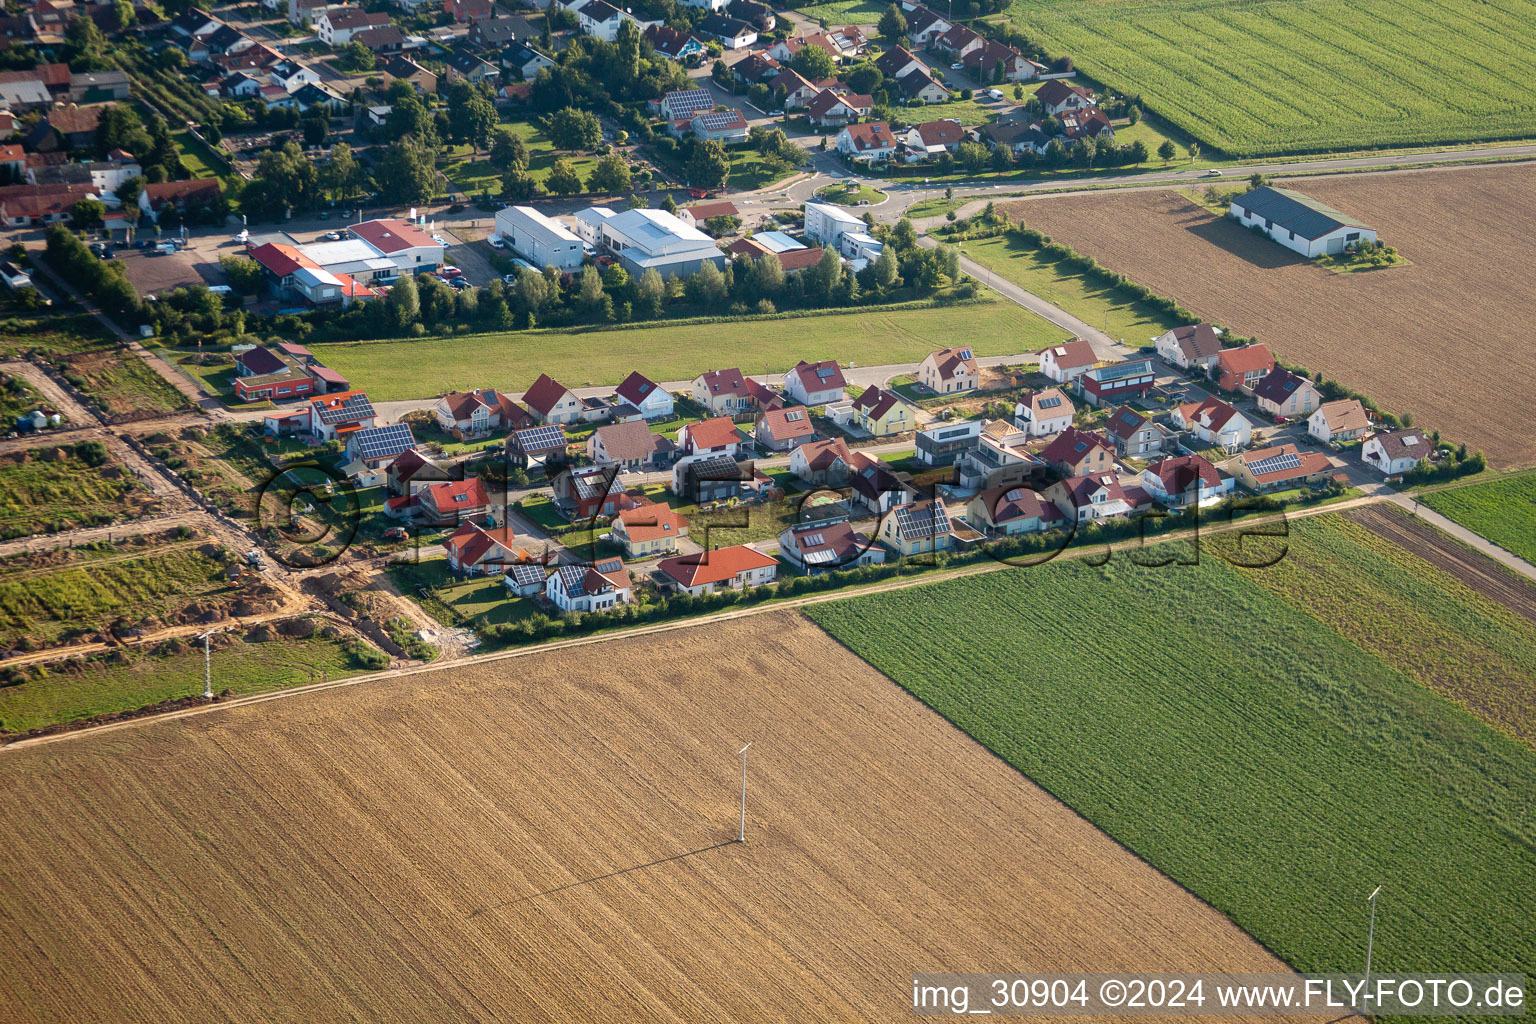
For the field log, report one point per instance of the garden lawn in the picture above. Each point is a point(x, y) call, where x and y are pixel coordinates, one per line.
point(1272, 76)
point(1136, 323)
point(458, 601)
point(474, 174)
point(844, 12)
point(135, 680)
point(397, 370)
point(1503, 511)
point(1237, 743)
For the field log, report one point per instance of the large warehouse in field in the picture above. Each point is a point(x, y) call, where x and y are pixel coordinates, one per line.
point(544, 242)
point(1297, 222)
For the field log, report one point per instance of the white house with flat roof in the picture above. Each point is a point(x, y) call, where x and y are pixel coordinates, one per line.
point(541, 240)
point(648, 239)
point(589, 223)
point(826, 224)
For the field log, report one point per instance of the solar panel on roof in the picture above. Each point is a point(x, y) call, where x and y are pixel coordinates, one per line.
point(533, 439)
point(1276, 463)
point(525, 575)
point(382, 442)
point(690, 101)
point(825, 371)
point(1050, 403)
point(914, 522)
point(718, 119)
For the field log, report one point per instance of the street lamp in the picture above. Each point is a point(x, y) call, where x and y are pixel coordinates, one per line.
point(741, 836)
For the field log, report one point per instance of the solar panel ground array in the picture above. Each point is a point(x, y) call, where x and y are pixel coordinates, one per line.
point(1280, 76)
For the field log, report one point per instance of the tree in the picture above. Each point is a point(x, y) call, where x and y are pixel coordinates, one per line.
point(903, 236)
point(343, 176)
point(1194, 151)
point(1133, 115)
point(87, 213)
point(707, 287)
point(1256, 181)
point(471, 117)
point(1002, 157)
point(973, 155)
point(128, 192)
point(864, 79)
point(814, 63)
point(518, 186)
point(534, 290)
point(508, 151)
point(768, 276)
point(610, 175)
point(404, 302)
point(243, 274)
point(589, 293)
point(570, 128)
point(407, 173)
point(823, 277)
point(650, 291)
point(1167, 150)
point(316, 129)
point(669, 204)
point(1138, 152)
point(119, 127)
point(1018, 91)
point(722, 225)
point(893, 25)
point(563, 179)
point(887, 270)
point(86, 42)
point(288, 181)
point(408, 116)
point(356, 57)
point(709, 166)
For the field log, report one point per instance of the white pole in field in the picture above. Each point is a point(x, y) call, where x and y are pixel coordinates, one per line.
point(741, 836)
point(1370, 939)
point(207, 669)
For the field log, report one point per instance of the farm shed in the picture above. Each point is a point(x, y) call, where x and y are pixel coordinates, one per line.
point(1299, 223)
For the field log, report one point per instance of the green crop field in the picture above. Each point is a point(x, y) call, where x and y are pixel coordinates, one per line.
point(1135, 322)
point(128, 680)
point(1241, 745)
point(399, 370)
point(1503, 511)
point(1257, 77)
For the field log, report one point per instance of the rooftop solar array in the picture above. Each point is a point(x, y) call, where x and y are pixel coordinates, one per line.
point(915, 523)
point(353, 407)
point(689, 101)
point(719, 119)
point(1050, 403)
point(525, 575)
point(384, 442)
point(1276, 463)
point(539, 439)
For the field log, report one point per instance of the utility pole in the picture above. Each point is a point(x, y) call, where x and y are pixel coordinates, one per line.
point(207, 667)
point(1370, 941)
point(741, 836)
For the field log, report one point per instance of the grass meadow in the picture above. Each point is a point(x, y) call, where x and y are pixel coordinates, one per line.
point(1240, 743)
point(1503, 511)
point(38, 493)
point(1258, 77)
point(397, 370)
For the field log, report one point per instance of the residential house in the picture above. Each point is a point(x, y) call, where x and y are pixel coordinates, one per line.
point(1058, 96)
point(671, 43)
point(473, 414)
point(957, 42)
point(717, 436)
point(821, 462)
point(950, 371)
point(874, 487)
point(732, 393)
point(684, 103)
point(648, 530)
point(468, 67)
point(946, 443)
point(1090, 496)
point(918, 528)
point(785, 50)
point(337, 26)
point(1241, 369)
point(702, 478)
point(1135, 435)
point(1279, 468)
point(524, 61)
point(414, 471)
point(832, 547)
point(589, 492)
point(631, 446)
point(476, 551)
point(922, 87)
point(1339, 421)
point(1185, 480)
point(830, 109)
point(756, 67)
point(496, 32)
point(731, 33)
point(1011, 509)
point(333, 416)
point(383, 40)
point(369, 452)
point(552, 402)
point(544, 445)
point(1299, 222)
point(522, 580)
point(1115, 382)
point(870, 143)
point(285, 380)
point(795, 92)
point(1285, 395)
point(925, 25)
point(898, 61)
point(1042, 413)
point(468, 11)
point(813, 384)
point(734, 568)
point(783, 430)
point(1068, 361)
point(453, 502)
point(881, 413)
point(37, 205)
point(1214, 422)
point(1076, 452)
point(698, 213)
point(289, 75)
point(653, 401)
point(759, 16)
point(931, 139)
point(587, 589)
point(1394, 452)
point(727, 127)
point(1088, 123)
point(1000, 458)
point(993, 63)
point(1193, 347)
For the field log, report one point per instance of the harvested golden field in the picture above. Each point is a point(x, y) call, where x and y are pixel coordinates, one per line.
point(550, 838)
point(1450, 338)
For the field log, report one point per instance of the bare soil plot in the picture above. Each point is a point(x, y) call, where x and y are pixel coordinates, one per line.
point(1450, 338)
point(150, 272)
point(549, 838)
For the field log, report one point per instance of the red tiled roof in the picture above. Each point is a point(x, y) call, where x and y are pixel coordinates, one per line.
point(726, 382)
point(715, 566)
point(787, 424)
point(821, 454)
point(1214, 411)
point(544, 394)
point(1065, 447)
point(1074, 353)
point(651, 522)
point(636, 389)
point(874, 135)
point(1005, 504)
point(472, 542)
point(456, 495)
point(1245, 359)
point(280, 259)
point(713, 433)
point(799, 259)
point(950, 360)
point(391, 236)
point(811, 374)
point(1180, 474)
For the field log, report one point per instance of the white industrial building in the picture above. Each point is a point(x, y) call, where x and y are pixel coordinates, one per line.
point(647, 239)
point(1299, 223)
point(589, 223)
point(826, 224)
point(353, 257)
point(540, 240)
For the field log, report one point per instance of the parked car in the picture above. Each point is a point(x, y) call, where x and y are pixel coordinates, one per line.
point(957, 66)
point(509, 279)
point(495, 242)
point(325, 214)
point(775, 113)
point(1212, 173)
point(333, 236)
point(449, 270)
point(459, 282)
point(439, 240)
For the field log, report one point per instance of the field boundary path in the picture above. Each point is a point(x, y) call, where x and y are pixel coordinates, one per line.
point(939, 576)
point(1504, 557)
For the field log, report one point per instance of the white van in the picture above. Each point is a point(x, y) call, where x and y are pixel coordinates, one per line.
point(223, 291)
point(994, 94)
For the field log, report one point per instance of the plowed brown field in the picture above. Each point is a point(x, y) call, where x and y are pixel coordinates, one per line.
point(548, 838)
point(1451, 338)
